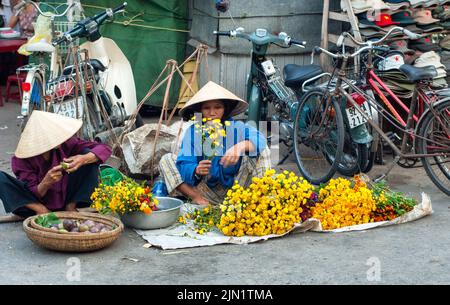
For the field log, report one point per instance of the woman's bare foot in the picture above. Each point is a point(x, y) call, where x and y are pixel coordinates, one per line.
point(71, 207)
point(200, 200)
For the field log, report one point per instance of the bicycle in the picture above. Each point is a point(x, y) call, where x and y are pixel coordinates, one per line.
point(34, 88)
point(428, 139)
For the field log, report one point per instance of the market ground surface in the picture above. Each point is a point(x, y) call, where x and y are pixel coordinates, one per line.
point(412, 253)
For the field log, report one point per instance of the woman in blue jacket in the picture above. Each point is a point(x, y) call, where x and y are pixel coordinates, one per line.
point(242, 155)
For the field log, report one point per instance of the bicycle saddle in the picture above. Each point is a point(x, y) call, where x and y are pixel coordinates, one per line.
point(295, 75)
point(415, 74)
point(95, 63)
point(41, 46)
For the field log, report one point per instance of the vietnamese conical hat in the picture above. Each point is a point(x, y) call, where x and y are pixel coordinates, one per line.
point(45, 131)
point(212, 91)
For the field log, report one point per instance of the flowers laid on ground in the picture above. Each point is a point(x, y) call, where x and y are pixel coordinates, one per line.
point(344, 203)
point(274, 203)
point(125, 196)
point(390, 204)
point(270, 205)
point(204, 220)
point(212, 132)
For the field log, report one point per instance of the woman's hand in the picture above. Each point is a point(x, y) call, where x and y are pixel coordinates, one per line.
point(203, 168)
point(75, 162)
point(232, 155)
point(53, 175)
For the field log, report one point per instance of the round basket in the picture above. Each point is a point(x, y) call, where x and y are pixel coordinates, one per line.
point(73, 242)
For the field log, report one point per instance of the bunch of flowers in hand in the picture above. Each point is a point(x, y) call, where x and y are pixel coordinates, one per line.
point(125, 196)
point(212, 132)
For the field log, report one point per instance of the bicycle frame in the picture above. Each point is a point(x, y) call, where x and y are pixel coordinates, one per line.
point(402, 152)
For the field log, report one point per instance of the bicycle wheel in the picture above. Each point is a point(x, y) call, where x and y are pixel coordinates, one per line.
point(318, 135)
point(37, 101)
point(434, 137)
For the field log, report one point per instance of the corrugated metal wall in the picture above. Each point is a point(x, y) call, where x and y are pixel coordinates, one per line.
point(231, 70)
point(229, 60)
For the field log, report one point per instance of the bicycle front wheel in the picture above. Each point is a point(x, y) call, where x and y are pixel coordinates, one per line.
point(434, 137)
point(318, 136)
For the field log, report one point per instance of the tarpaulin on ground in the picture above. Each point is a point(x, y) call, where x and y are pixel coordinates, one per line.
point(149, 33)
point(183, 236)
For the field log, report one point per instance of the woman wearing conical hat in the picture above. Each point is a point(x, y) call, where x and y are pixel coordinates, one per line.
point(241, 155)
point(42, 184)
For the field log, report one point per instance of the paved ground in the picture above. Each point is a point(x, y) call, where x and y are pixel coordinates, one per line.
point(413, 253)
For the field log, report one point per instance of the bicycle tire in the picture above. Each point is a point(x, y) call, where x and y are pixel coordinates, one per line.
point(422, 148)
point(335, 133)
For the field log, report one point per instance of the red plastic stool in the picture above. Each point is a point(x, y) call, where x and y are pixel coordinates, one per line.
point(18, 79)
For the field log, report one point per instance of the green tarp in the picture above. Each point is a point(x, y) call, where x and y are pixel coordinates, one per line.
point(148, 48)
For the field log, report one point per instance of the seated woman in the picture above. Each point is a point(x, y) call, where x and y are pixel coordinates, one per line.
point(24, 17)
point(43, 185)
point(244, 153)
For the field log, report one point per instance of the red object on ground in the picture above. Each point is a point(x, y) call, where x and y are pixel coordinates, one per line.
point(18, 79)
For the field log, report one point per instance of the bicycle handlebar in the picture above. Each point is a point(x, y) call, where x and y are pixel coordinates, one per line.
point(85, 27)
point(20, 6)
point(408, 33)
point(368, 45)
point(240, 34)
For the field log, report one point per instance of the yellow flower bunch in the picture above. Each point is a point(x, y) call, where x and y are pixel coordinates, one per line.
point(214, 131)
point(203, 220)
point(271, 205)
point(344, 203)
point(125, 196)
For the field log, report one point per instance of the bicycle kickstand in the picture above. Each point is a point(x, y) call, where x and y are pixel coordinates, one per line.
point(391, 166)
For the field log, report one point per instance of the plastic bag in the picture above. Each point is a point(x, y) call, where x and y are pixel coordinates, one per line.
point(42, 31)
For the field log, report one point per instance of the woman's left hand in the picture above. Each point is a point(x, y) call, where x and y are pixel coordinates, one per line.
point(75, 162)
point(231, 156)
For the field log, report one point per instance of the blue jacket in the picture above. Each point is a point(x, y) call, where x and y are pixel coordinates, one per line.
point(191, 154)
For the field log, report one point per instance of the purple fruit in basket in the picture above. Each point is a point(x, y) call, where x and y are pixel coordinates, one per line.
point(94, 230)
point(68, 224)
point(83, 228)
point(89, 223)
point(75, 230)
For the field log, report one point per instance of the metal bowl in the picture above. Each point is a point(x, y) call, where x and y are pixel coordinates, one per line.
point(166, 215)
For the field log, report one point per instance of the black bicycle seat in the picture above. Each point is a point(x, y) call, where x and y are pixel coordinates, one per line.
point(295, 75)
point(416, 74)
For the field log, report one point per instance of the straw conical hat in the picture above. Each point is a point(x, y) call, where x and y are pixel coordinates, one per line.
point(212, 91)
point(45, 131)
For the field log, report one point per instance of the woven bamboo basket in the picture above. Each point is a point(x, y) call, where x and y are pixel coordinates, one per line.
point(74, 242)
